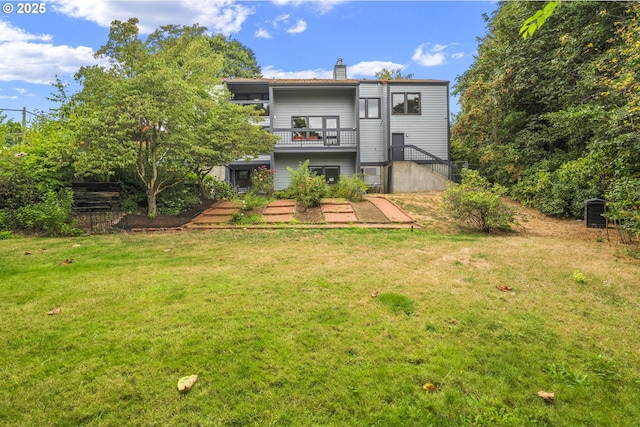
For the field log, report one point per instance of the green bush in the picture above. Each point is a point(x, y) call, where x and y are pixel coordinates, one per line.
point(623, 206)
point(251, 201)
point(478, 204)
point(306, 187)
point(351, 188)
point(560, 192)
point(262, 181)
point(176, 199)
point(217, 189)
point(52, 216)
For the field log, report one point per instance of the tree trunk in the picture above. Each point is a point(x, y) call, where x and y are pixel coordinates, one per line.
point(152, 207)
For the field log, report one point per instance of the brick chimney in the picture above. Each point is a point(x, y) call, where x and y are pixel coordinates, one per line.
point(339, 70)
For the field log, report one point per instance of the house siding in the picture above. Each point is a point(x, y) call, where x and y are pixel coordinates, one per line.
point(288, 103)
point(430, 129)
point(346, 162)
point(372, 131)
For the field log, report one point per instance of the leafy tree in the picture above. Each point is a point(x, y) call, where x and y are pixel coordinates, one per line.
point(10, 132)
point(159, 107)
point(392, 74)
point(538, 19)
point(555, 110)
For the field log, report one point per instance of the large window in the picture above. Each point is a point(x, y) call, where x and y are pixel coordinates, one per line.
point(331, 173)
point(405, 103)
point(369, 108)
point(316, 127)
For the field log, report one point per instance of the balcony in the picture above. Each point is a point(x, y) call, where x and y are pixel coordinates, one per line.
point(313, 138)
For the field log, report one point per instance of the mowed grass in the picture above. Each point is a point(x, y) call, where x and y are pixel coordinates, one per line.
point(282, 329)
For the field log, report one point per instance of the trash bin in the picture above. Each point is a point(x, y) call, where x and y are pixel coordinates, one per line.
point(593, 210)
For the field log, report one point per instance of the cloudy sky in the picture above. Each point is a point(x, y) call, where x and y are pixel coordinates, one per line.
point(290, 38)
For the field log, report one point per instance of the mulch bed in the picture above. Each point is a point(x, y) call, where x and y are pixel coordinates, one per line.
point(366, 212)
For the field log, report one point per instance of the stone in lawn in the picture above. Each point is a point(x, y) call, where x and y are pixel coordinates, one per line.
point(548, 397)
point(185, 383)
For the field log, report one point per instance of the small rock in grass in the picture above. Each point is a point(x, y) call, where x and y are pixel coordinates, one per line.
point(429, 387)
point(54, 311)
point(548, 397)
point(185, 383)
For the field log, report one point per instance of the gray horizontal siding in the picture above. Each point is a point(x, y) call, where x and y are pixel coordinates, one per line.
point(347, 163)
point(373, 131)
point(430, 129)
point(313, 102)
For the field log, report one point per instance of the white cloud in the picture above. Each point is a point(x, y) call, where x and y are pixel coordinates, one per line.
point(261, 33)
point(21, 91)
point(279, 19)
point(359, 70)
point(441, 47)
point(323, 6)
point(8, 97)
point(299, 27)
point(9, 33)
point(370, 68)
point(224, 16)
point(26, 58)
point(271, 73)
point(435, 55)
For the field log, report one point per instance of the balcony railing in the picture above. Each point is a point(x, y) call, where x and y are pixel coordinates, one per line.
point(290, 138)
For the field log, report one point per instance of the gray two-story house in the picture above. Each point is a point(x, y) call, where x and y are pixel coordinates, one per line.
point(396, 132)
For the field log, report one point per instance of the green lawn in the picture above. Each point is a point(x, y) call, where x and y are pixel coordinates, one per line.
point(282, 330)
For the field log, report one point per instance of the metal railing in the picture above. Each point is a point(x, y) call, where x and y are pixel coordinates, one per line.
point(316, 138)
point(411, 153)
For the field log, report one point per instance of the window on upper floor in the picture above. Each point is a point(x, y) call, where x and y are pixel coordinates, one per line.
point(405, 103)
point(315, 127)
point(369, 108)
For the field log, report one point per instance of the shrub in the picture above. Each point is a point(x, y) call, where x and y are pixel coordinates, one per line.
point(217, 189)
point(478, 204)
point(306, 187)
point(251, 201)
point(262, 181)
point(176, 199)
point(52, 216)
point(623, 206)
point(351, 188)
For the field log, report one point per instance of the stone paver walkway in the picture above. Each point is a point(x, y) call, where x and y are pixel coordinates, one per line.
point(337, 213)
point(279, 211)
point(392, 211)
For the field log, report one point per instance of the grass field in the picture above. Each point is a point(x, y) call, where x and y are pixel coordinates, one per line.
point(282, 329)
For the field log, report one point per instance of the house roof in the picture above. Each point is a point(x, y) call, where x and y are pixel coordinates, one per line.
point(324, 82)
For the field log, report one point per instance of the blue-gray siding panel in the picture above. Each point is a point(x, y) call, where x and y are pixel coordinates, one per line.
point(318, 102)
point(347, 163)
point(373, 131)
point(430, 129)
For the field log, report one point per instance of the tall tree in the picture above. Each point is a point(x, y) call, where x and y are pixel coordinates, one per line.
point(156, 107)
point(532, 110)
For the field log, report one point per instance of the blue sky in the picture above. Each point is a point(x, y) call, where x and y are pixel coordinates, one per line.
point(290, 38)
